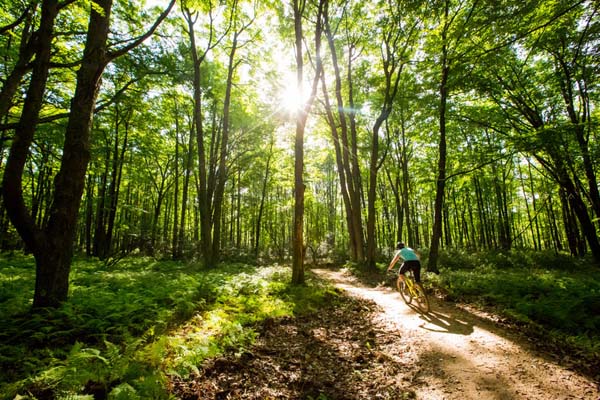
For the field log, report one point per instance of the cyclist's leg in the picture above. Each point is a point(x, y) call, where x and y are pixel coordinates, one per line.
point(400, 280)
point(403, 268)
point(422, 299)
point(416, 269)
point(402, 287)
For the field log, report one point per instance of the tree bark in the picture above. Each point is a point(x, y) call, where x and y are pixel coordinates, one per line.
point(346, 149)
point(53, 247)
point(441, 177)
point(222, 171)
point(298, 245)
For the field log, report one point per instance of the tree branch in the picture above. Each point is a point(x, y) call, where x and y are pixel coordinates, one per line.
point(140, 39)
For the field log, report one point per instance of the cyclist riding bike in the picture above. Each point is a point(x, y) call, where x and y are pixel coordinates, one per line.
point(410, 262)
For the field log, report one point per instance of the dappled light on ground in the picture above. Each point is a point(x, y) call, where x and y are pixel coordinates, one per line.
point(461, 356)
point(337, 353)
point(365, 343)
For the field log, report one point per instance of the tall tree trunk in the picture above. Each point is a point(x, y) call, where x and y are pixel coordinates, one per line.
point(441, 178)
point(70, 179)
point(536, 244)
point(371, 197)
point(53, 247)
point(504, 237)
point(262, 199)
point(412, 240)
point(580, 210)
point(48, 290)
point(346, 149)
point(115, 186)
point(89, 214)
point(203, 204)
point(566, 86)
point(238, 214)
point(392, 68)
point(344, 183)
point(298, 238)
point(222, 172)
point(99, 230)
point(184, 195)
point(175, 254)
point(301, 118)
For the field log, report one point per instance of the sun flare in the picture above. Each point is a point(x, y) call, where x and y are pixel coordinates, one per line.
point(291, 97)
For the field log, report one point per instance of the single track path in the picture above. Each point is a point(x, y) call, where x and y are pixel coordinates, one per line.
point(461, 355)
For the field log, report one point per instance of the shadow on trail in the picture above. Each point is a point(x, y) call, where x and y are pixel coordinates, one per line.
point(484, 383)
point(333, 354)
point(466, 354)
point(445, 323)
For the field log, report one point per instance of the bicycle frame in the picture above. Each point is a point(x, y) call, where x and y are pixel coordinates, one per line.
point(409, 289)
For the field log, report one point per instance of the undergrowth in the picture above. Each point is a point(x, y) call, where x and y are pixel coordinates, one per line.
point(125, 329)
point(555, 293)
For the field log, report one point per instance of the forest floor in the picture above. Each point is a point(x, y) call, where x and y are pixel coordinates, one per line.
point(367, 344)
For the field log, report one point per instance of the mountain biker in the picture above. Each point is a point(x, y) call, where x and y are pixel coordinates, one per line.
point(410, 262)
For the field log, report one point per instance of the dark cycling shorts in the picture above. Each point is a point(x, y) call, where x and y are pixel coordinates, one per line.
point(414, 266)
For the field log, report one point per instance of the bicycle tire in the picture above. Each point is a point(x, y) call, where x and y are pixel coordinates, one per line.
point(404, 292)
point(422, 299)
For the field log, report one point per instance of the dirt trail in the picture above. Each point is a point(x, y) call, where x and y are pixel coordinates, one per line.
point(461, 356)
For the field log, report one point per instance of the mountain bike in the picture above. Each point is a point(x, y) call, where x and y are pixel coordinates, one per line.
point(409, 290)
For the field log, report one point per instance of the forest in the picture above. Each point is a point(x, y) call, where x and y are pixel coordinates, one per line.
point(165, 162)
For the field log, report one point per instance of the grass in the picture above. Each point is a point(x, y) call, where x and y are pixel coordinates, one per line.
point(554, 293)
point(126, 329)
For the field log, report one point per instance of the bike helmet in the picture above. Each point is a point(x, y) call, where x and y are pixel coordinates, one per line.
point(400, 245)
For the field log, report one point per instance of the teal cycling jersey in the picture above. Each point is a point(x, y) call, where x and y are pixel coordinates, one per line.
point(408, 254)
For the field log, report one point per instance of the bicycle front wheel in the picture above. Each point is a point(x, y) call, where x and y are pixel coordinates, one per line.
point(422, 300)
point(404, 291)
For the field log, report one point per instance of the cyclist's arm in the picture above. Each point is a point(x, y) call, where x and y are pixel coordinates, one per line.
point(393, 262)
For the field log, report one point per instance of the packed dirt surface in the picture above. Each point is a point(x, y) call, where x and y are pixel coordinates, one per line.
point(367, 344)
point(462, 356)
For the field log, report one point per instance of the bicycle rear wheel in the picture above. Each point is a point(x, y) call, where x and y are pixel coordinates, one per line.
point(404, 292)
point(422, 300)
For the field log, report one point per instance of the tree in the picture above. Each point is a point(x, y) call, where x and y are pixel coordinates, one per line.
point(396, 46)
point(301, 118)
point(342, 122)
point(539, 104)
point(52, 245)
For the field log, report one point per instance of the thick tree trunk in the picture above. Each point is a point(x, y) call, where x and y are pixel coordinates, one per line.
point(12, 188)
point(203, 202)
point(298, 237)
point(69, 182)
